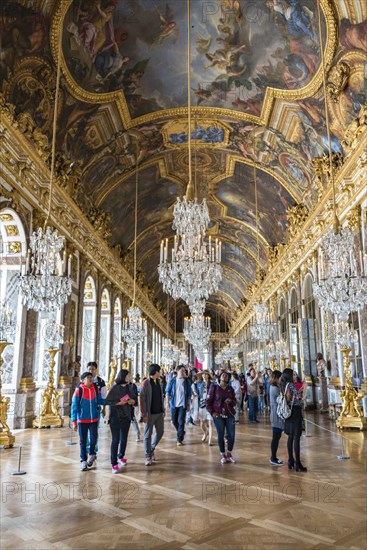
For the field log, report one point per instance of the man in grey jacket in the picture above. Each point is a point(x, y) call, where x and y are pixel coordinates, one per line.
point(152, 411)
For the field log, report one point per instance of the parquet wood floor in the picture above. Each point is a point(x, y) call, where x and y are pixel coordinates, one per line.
point(188, 500)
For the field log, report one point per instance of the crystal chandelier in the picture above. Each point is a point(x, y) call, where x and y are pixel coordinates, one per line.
point(183, 358)
point(262, 329)
point(133, 327)
point(218, 359)
point(168, 353)
point(148, 357)
point(341, 283)
point(46, 284)
point(130, 351)
point(194, 272)
point(197, 330)
point(53, 334)
point(7, 323)
point(230, 350)
point(343, 334)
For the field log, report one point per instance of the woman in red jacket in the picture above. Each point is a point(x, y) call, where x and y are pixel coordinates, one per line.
point(221, 403)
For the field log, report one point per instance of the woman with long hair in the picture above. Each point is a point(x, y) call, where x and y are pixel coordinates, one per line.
point(293, 425)
point(203, 385)
point(121, 412)
point(276, 422)
point(221, 403)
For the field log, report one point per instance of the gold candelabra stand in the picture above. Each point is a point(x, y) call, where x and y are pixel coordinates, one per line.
point(351, 415)
point(7, 439)
point(50, 414)
point(113, 373)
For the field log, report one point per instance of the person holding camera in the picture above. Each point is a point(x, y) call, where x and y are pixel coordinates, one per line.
point(221, 403)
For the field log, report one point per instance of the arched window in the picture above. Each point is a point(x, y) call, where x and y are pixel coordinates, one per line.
point(308, 298)
point(294, 332)
point(12, 248)
point(89, 322)
point(117, 327)
point(282, 320)
point(105, 334)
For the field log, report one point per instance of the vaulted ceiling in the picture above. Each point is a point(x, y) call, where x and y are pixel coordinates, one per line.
point(258, 106)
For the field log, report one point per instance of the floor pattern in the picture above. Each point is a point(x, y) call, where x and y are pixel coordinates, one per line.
point(188, 500)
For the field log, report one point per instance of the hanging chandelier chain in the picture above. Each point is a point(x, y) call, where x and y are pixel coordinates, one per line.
point(54, 125)
point(136, 218)
point(189, 83)
point(327, 113)
point(257, 218)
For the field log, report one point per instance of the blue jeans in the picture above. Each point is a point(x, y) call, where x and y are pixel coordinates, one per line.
point(119, 433)
point(178, 415)
point(88, 442)
point(253, 408)
point(222, 425)
point(86, 429)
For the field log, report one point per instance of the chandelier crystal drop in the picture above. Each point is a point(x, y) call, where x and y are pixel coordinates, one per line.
point(7, 323)
point(190, 218)
point(262, 329)
point(344, 335)
point(133, 327)
point(341, 284)
point(46, 284)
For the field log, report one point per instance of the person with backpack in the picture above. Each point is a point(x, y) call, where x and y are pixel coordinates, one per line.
point(221, 403)
point(179, 394)
point(121, 403)
point(276, 421)
point(292, 406)
point(92, 367)
point(84, 416)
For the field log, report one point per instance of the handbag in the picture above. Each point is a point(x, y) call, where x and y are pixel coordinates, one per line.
point(284, 410)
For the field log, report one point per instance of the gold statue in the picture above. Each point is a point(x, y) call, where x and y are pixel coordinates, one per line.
point(7, 439)
point(351, 415)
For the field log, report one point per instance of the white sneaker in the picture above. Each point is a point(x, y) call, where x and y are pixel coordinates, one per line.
point(83, 466)
point(91, 460)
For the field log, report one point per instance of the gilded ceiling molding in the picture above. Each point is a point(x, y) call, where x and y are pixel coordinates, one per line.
point(350, 185)
point(65, 214)
point(271, 94)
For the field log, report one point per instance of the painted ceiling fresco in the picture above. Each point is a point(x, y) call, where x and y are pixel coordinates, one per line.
point(238, 51)
point(256, 91)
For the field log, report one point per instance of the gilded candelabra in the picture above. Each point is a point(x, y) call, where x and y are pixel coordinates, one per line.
point(50, 414)
point(7, 439)
point(351, 415)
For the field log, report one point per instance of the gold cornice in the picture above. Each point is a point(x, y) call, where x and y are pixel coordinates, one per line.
point(271, 94)
point(351, 190)
point(65, 214)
